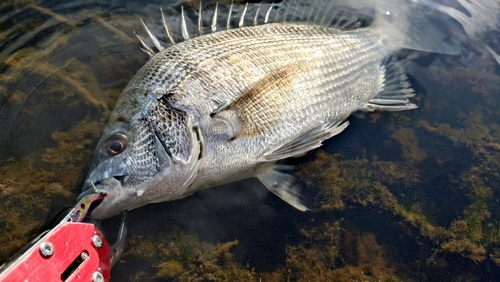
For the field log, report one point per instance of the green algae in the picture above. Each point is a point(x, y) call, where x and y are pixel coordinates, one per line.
point(474, 235)
point(326, 253)
point(185, 258)
point(478, 182)
point(354, 186)
point(34, 189)
point(331, 253)
point(409, 144)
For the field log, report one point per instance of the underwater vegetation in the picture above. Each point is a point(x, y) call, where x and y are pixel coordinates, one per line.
point(31, 194)
point(418, 199)
point(52, 108)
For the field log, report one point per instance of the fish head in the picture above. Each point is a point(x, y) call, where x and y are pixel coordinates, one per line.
point(152, 156)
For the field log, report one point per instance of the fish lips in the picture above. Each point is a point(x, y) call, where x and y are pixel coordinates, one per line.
point(102, 179)
point(116, 198)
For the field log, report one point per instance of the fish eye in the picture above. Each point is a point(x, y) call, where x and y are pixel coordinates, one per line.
point(116, 143)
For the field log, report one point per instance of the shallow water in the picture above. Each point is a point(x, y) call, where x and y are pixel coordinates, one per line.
point(400, 196)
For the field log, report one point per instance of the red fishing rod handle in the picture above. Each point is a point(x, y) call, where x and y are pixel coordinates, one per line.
point(72, 251)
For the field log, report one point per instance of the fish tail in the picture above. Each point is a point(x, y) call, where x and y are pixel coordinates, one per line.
point(483, 16)
point(407, 24)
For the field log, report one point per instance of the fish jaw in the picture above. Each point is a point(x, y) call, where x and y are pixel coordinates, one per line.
point(116, 198)
point(106, 178)
point(120, 196)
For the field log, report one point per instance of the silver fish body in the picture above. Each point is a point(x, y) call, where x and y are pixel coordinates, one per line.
point(243, 96)
point(227, 105)
point(255, 90)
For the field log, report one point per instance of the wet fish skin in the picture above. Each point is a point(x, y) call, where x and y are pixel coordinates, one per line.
point(226, 106)
point(241, 95)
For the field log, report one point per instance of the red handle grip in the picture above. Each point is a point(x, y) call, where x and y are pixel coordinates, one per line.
point(73, 251)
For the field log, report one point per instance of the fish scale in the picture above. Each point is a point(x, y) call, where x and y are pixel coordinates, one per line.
point(321, 87)
point(227, 74)
point(313, 68)
point(229, 105)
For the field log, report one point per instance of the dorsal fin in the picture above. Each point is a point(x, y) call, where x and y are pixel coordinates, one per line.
point(321, 12)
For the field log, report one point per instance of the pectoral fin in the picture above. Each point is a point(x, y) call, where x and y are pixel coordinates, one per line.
point(309, 140)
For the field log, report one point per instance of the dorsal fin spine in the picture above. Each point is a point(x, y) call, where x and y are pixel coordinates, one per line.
point(327, 11)
point(184, 30)
point(311, 11)
point(257, 14)
point(302, 14)
point(165, 25)
point(339, 22)
point(266, 19)
point(316, 17)
point(287, 9)
point(213, 27)
point(228, 24)
point(152, 37)
point(242, 18)
point(200, 25)
point(276, 16)
point(294, 11)
point(146, 48)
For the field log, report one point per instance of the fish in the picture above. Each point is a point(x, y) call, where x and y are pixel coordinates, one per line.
point(232, 103)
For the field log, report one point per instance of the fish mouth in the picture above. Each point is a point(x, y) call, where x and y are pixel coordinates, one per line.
point(115, 197)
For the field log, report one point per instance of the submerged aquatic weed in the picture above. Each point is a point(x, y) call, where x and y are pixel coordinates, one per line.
point(184, 258)
point(361, 182)
point(409, 144)
point(35, 188)
point(326, 253)
point(330, 253)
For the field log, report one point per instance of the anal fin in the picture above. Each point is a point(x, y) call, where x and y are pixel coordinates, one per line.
point(395, 91)
point(305, 142)
point(282, 185)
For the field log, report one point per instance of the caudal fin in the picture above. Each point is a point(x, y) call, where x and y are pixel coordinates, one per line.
point(428, 26)
point(483, 16)
point(409, 24)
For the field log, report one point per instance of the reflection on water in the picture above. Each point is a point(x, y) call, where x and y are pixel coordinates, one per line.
point(407, 196)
